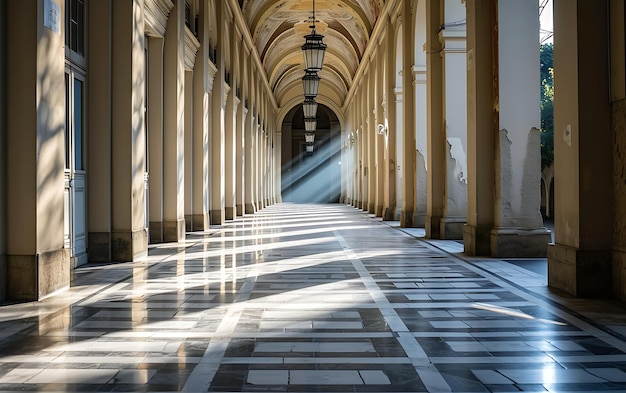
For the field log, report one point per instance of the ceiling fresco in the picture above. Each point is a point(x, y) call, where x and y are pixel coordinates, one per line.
point(278, 28)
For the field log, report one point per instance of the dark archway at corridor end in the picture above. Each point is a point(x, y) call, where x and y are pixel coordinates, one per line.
point(311, 176)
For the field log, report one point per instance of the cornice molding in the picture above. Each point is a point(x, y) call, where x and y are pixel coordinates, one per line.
point(156, 13)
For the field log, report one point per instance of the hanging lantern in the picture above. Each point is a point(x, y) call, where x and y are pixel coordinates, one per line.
point(313, 50)
point(309, 137)
point(311, 83)
point(310, 124)
point(309, 148)
point(309, 107)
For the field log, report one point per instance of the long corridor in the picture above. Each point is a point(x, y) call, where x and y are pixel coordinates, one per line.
point(312, 298)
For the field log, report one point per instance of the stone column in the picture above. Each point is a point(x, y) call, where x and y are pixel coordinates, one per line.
point(155, 137)
point(421, 151)
point(454, 90)
point(381, 139)
point(129, 239)
point(359, 145)
point(436, 136)
point(260, 141)
point(371, 137)
point(188, 149)
point(397, 95)
point(250, 207)
point(518, 225)
point(278, 153)
point(220, 91)
point(232, 105)
point(37, 263)
point(192, 93)
point(240, 158)
point(241, 128)
point(202, 86)
point(580, 260)
point(408, 117)
point(174, 127)
point(482, 89)
point(389, 116)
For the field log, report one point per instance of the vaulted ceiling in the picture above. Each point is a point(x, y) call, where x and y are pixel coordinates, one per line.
point(278, 28)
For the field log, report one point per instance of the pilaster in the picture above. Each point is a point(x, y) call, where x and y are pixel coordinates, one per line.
point(436, 145)
point(129, 238)
point(204, 73)
point(421, 152)
point(37, 263)
point(455, 131)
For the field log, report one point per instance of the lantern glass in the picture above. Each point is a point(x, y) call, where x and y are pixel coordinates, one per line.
point(309, 107)
point(309, 137)
point(309, 148)
point(314, 50)
point(311, 83)
point(310, 124)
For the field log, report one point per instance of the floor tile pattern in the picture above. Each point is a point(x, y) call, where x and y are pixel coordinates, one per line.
point(311, 298)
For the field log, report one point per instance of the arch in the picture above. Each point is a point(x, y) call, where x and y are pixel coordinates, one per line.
point(311, 176)
point(295, 102)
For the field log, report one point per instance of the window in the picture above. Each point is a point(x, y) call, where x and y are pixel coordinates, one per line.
point(75, 26)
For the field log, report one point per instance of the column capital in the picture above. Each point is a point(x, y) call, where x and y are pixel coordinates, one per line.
point(453, 41)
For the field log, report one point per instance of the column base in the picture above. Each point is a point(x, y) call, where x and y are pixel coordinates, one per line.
point(477, 240)
point(99, 245)
point(619, 273)
point(200, 222)
point(33, 277)
point(582, 273)
point(173, 231)
point(419, 219)
point(451, 228)
point(128, 246)
point(389, 214)
point(431, 225)
point(356, 204)
point(250, 208)
point(188, 222)
point(156, 232)
point(216, 217)
point(3, 282)
point(239, 209)
point(372, 208)
point(406, 219)
point(398, 213)
point(379, 211)
point(520, 243)
point(230, 213)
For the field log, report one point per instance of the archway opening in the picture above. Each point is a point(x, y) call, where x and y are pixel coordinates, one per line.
point(311, 175)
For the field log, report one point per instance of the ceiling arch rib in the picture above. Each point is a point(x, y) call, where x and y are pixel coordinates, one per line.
point(278, 28)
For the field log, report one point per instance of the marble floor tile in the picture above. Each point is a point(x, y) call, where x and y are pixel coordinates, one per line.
point(312, 298)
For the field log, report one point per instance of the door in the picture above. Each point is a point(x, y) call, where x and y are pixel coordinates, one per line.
point(75, 168)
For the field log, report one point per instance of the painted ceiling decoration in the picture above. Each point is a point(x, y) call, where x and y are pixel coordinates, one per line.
point(278, 28)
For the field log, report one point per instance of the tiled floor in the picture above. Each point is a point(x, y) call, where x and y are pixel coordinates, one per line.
point(312, 299)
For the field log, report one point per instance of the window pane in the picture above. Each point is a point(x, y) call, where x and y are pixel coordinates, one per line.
point(78, 125)
point(80, 22)
point(67, 122)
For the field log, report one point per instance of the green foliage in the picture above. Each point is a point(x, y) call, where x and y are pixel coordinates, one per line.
point(547, 105)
